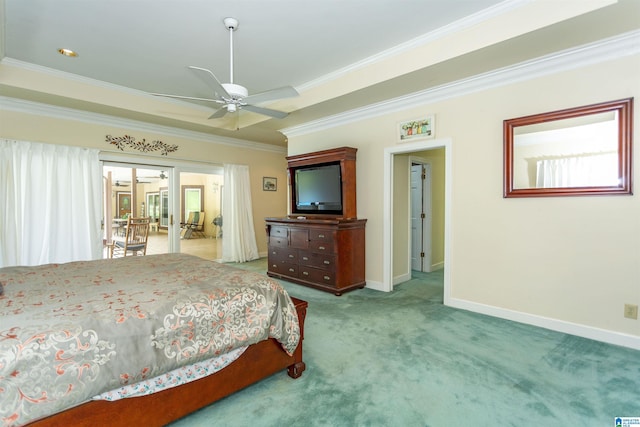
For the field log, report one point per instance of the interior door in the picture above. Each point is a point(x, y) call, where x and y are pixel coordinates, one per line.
point(421, 217)
point(123, 204)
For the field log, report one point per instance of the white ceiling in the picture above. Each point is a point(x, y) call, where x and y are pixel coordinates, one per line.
point(126, 46)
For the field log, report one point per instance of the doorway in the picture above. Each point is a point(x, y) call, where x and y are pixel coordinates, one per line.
point(134, 190)
point(167, 196)
point(201, 214)
point(393, 225)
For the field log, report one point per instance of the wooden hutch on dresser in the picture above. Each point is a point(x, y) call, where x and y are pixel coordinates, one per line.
point(321, 244)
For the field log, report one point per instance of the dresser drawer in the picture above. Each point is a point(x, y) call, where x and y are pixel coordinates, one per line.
point(280, 254)
point(276, 241)
point(318, 260)
point(317, 275)
point(321, 246)
point(277, 231)
point(284, 268)
point(323, 235)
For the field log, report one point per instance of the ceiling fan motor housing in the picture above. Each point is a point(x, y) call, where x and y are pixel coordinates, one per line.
point(236, 91)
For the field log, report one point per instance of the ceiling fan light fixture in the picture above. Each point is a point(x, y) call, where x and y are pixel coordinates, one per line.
point(231, 108)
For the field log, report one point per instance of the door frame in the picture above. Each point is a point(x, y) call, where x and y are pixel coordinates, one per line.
point(387, 239)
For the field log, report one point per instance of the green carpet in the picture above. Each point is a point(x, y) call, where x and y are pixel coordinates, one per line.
point(404, 359)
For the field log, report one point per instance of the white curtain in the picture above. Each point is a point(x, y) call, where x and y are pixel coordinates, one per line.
point(239, 242)
point(51, 203)
point(579, 171)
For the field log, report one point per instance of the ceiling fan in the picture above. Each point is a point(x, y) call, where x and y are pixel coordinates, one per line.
point(233, 97)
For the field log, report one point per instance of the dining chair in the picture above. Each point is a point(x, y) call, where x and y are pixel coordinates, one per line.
point(135, 239)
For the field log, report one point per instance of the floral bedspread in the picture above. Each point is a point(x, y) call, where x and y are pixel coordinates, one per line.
point(72, 331)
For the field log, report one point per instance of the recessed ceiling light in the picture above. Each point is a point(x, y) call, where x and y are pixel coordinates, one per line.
point(67, 52)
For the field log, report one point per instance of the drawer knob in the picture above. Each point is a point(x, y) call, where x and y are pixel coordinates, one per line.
point(327, 278)
point(322, 248)
point(291, 270)
point(321, 236)
point(291, 256)
point(305, 258)
point(326, 262)
point(274, 265)
point(305, 273)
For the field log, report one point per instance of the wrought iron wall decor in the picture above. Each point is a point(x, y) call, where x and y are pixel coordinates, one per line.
point(144, 146)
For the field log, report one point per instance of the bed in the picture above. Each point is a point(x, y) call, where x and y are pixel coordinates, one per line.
point(138, 340)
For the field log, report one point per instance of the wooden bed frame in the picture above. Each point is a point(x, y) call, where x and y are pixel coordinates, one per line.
point(256, 363)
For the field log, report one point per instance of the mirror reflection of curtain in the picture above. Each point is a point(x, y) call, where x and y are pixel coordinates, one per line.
point(578, 171)
point(51, 198)
point(239, 243)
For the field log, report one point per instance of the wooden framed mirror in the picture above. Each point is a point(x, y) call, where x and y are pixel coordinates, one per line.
point(578, 151)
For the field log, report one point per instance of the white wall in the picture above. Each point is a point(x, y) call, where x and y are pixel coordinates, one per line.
point(570, 263)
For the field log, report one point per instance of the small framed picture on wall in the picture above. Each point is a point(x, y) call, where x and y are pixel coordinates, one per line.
point(269, 183)
point(418, 128)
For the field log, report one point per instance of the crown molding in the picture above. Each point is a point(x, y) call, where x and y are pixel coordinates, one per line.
point(452, 28)
point(45, 110)
point(75, 78)
point(604, 50)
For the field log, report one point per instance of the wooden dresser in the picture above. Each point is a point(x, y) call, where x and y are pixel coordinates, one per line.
point(326, 254)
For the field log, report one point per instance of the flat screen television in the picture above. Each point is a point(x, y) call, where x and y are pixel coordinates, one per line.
point(317, 189)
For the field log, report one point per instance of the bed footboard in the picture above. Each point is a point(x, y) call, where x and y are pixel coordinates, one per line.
point(259, 361)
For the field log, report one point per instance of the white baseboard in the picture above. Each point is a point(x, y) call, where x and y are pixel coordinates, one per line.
point(402, 278)
point(376, 286)
point(603, 335)
point(437, 266)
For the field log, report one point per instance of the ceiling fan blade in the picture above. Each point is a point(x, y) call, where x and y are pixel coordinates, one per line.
point(271, 95)
point(221, 112)
point(210, 78)
point(192, 98)
point(266, 111)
